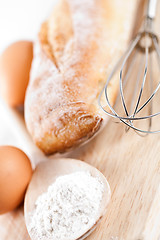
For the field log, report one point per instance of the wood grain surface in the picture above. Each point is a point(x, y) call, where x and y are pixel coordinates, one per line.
point(131, 165)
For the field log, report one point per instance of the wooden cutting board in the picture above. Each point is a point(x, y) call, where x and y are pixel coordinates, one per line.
point(132, 166)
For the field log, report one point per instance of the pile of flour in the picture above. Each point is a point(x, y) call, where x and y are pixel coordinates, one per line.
point(68, 208)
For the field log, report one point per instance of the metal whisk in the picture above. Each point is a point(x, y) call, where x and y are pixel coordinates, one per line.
point(141, 84)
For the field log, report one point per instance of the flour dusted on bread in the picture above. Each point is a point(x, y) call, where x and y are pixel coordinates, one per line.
point(76, 48)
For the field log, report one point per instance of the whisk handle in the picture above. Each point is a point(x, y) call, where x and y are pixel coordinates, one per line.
point(151, 12)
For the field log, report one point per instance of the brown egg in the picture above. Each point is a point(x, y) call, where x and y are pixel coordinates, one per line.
point(15, 64)
point(15, 174)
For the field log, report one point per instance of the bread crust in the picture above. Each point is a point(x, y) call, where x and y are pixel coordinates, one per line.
point(76, 46)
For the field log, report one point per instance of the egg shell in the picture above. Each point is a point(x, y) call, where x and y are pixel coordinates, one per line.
point(15, 175)
point(15, 64)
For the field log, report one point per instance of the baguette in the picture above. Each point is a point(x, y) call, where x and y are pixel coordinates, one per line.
point(76, 47)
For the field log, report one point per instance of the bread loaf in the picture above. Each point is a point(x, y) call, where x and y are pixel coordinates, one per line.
point(76, 49)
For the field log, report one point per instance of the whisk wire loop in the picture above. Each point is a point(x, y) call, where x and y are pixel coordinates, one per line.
point(130, 50)
point(145, 42)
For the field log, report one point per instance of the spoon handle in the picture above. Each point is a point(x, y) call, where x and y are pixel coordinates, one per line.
point(15, 122)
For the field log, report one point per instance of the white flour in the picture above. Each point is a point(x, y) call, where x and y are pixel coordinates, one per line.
point(68, 208)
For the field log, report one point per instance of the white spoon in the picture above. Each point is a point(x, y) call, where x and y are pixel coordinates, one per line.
point(46, 173)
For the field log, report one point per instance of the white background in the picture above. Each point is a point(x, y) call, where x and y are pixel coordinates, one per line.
point(19, 20)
